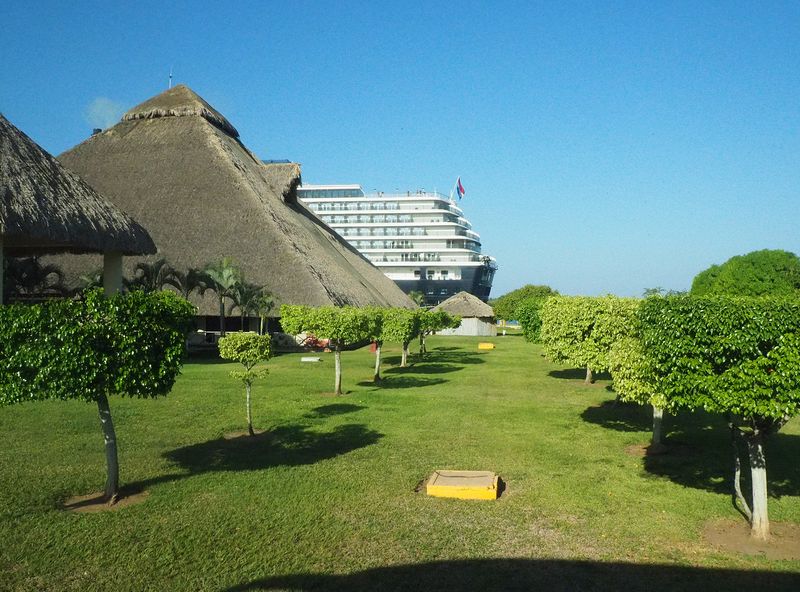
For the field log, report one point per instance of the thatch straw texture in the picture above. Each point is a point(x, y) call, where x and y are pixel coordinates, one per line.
point(177, 102)
point(204, 196)
point(466, 305)
point(45, 208)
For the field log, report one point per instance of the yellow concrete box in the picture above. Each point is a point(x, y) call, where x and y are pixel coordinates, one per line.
point(462, 484)
point(484, 345)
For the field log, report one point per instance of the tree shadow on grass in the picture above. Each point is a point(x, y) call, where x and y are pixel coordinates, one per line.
point(621, 417)
point(456, 358)
point(577, 374)
point(425, 368)
point(698, 452)
point(401, 382)
point(558, 575)
point(284, 446)
point(704, 460)
point(333, 409)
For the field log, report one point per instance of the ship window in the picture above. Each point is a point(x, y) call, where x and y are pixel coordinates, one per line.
point(430, 274)
point(444, 274)
point(416, 273)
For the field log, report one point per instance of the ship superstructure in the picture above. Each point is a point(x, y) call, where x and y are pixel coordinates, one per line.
point(419, 239)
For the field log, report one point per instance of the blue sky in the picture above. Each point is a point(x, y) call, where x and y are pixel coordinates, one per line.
point(606, 147)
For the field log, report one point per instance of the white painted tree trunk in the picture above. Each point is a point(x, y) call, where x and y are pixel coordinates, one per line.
point(377, 376)
point(589, 376)
point(404, 358)
point(759, 523)
point(658, 419)
point(110, 441)
point(249, 411)
point(337, 389)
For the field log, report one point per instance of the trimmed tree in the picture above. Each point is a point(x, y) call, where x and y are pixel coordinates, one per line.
point(633, 381)
point(401, 325)
point(249, 349)
point(431, 321)
point(580, 330)
point(529, 314)
point(375, 333)
point(341, 326)
point(505, 307)
point(130, 345)
point(731, 355)
point(760, 273)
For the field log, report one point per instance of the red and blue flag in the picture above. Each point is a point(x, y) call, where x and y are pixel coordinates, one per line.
point(460, 188)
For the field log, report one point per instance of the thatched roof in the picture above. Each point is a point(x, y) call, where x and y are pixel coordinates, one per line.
point(204, 196)
point(48, 209)
point(466, 305)
point(177, 102)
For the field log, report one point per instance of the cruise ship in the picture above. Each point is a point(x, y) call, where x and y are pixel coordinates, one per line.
point(419, 239)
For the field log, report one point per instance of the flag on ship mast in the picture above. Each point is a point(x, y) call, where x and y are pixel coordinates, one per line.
point(460, 188)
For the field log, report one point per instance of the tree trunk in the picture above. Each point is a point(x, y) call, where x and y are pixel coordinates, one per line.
point(249, 411)
point(759, 523)
point(377, 377)
point(337, 389)
point(110, 440)
point(404, 358)
point(261, 326)
point(589, 376)
point(739, 502)
point(221, 317)
point(422, 350)
point(658, 418)
point(242, 322)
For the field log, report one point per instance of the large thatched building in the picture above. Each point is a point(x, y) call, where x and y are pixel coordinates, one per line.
point(477, 317)
point(177, 165)
point(47, 209)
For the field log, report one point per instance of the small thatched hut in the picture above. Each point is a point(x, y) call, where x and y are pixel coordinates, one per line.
point(477, 317)
point(177, 165)
point(45, 208)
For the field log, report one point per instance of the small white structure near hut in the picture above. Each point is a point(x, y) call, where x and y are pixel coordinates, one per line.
point(477, 317)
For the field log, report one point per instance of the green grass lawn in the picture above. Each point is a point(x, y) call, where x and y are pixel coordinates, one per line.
point(325, 500)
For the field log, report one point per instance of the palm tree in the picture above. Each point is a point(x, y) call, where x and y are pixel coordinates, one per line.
point(150, 277)
point(245, 297)
point(418, 297)
point(263, 304)
point(28, 277)
point(222, 277)
point(187, 283)
point(93, 279)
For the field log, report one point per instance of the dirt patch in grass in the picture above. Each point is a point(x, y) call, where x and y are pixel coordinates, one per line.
point(675, 449)
point(734, 535)
point(240, 433)
point(96, 502)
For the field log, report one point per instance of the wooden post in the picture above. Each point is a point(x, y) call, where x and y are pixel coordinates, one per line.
point(112, 273)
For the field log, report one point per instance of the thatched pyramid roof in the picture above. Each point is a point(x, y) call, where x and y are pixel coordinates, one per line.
point(465, 305)
point(177, 165)
point(45, 208)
